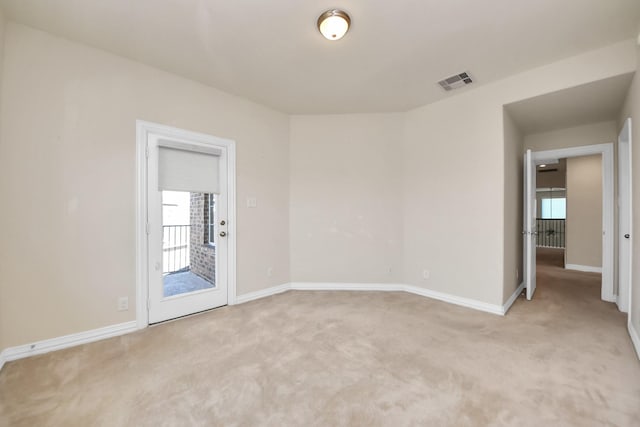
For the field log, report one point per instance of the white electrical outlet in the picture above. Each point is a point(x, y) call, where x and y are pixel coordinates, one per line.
point(426, 274)
point(269, 271)
point(252, 202)
point(123, 303)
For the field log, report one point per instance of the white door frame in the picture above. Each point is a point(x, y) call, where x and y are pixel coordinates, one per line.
point(625, 199)
point(608, 218)
point(143, 129)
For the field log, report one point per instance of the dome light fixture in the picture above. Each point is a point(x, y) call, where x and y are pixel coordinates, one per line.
point(334, 24)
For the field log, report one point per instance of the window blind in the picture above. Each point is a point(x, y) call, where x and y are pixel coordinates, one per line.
point(185, 168)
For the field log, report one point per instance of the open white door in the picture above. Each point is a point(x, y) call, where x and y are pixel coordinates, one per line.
point(529, 224)
point(624, 217)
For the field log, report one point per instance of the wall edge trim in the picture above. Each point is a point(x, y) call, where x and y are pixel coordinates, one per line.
point(585, 268)
point(10, 354)
point(263, 293)
point(45, 346)
point(507, 305)
point(375, 287)
point(635, 338)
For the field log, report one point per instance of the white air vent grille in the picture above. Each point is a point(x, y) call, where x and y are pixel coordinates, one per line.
point(454, 82)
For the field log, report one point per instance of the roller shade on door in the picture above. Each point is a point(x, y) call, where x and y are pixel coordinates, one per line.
point(185, 167)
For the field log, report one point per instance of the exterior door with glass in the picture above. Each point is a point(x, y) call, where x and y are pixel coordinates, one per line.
point(186, 227)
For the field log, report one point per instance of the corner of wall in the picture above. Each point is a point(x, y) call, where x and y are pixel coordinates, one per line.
point(512, 209)
point(290, 119)
point(2, 31)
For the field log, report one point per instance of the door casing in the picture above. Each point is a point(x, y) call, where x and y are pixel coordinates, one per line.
point(143, 129)
point(625, 217)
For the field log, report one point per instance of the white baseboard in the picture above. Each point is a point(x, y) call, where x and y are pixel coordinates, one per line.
point(514, 296)
point(635, 338)
point(379, 287)
point(453, 299)
point(393, 287)
point(45, 346)
point(319, 286)
point(263, 293)
point(623, 305)
point(586, 268)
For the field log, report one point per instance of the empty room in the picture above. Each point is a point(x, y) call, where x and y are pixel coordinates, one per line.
point(345, 213)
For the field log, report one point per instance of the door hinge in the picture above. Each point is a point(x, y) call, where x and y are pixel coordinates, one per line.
point(148, 228)
point(148, 304)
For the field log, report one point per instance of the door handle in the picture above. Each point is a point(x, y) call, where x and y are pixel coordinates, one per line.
point(626, 236)
point(222, 234)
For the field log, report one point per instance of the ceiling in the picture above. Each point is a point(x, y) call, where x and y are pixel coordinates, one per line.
point(589, 103)
point(271, 52)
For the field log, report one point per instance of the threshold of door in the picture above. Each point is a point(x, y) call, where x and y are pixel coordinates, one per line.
point(186, 315)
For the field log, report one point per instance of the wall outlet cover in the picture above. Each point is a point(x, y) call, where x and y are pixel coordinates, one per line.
point(123, 303)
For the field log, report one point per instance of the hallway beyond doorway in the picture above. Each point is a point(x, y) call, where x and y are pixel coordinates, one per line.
point(569, 284)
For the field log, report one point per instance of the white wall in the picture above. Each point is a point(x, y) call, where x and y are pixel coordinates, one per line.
point(576, 136)
point(346, 198)
point(554, 179)
point(421, 190)
point(2, 30)
point(513, 212)
point(67, 181)
point(3, 24)
point(454, 197)
point(632, 109)
point(455, 176)
point(583, 232)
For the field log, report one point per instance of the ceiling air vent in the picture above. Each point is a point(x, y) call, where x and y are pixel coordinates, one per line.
point(454, 82)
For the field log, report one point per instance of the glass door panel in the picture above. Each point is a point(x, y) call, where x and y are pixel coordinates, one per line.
point(188, 246)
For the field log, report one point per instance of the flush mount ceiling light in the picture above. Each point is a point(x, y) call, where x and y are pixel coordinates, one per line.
point(334, 24)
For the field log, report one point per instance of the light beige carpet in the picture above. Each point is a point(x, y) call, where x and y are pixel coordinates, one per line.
point(348, 358)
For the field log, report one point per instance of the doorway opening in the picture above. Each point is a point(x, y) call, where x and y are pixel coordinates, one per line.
point(569, 222)
point(569, 206)
point(581, 190)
